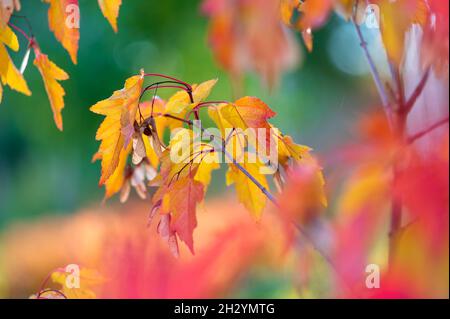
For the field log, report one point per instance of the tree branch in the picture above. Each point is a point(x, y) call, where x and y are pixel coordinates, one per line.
point(415, 95)
point(375, 74)
point(421, 134)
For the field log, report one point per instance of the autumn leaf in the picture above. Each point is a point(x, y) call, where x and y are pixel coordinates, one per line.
point(63, 24)
point(88, 280)
point(9, 74)
point(179, 103)
point(120, 111)
point(180, 201)
point(248, 193)
point(110, 9)
point(116, 181)
point(306, 166)
point(51, 74)
point(305, 16)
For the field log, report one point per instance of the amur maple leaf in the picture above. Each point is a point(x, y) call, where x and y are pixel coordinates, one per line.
point(114, 132)
point(86, 281)
point(110, 9)
point(180, 200)
point(64, 24)
point(9, 74)
point(51, 74)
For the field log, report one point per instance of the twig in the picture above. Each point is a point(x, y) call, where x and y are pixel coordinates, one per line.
point(30, 39)
point(375, 74)
point(419, 89)
point(421, 134)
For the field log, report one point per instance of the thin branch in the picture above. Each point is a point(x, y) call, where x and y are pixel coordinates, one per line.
point(27, 21)
point(30, 39)
point(264, 190)
point(375, 74)
point(419, 89)
point(421, 134)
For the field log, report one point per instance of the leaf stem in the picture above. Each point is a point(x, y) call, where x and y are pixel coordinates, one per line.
point(30, 39)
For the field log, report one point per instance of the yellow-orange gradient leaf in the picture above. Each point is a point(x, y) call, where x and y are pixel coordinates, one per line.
point(110, 9)
point(248, 193)
point(396, 19)
point(64, 22)
point(120, 108)
point(51, 74)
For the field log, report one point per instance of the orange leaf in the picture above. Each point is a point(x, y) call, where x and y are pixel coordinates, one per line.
point(110, 9)
point(51, 74)
point(181, 200)
point(63, 23)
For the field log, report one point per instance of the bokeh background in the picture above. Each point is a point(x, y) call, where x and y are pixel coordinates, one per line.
point(48, 174)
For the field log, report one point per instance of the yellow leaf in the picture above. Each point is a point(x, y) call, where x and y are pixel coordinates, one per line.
point(9, 38)
point(123, 104)
point(63, 23)
point(51, 74)
point(10, 75)
point(114, 184)
point(88, 279)
point(248, 193)
point(204, 171)
point(110, 9)
point(179, 102)
point(396, 19)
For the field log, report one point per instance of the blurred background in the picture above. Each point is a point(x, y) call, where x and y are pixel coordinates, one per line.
point(48, 174)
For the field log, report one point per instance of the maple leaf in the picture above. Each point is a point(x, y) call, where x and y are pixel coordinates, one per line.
point(180, 103)
point(116, 181)
point(9, 74)
point(88, 280)
point(247, 112)
point(182, 185)
point(110, 9)
point(61, 23)
point(180, 200)
point(120, 111)
point(51, 74)
point(248, 193)
point(305, 16)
